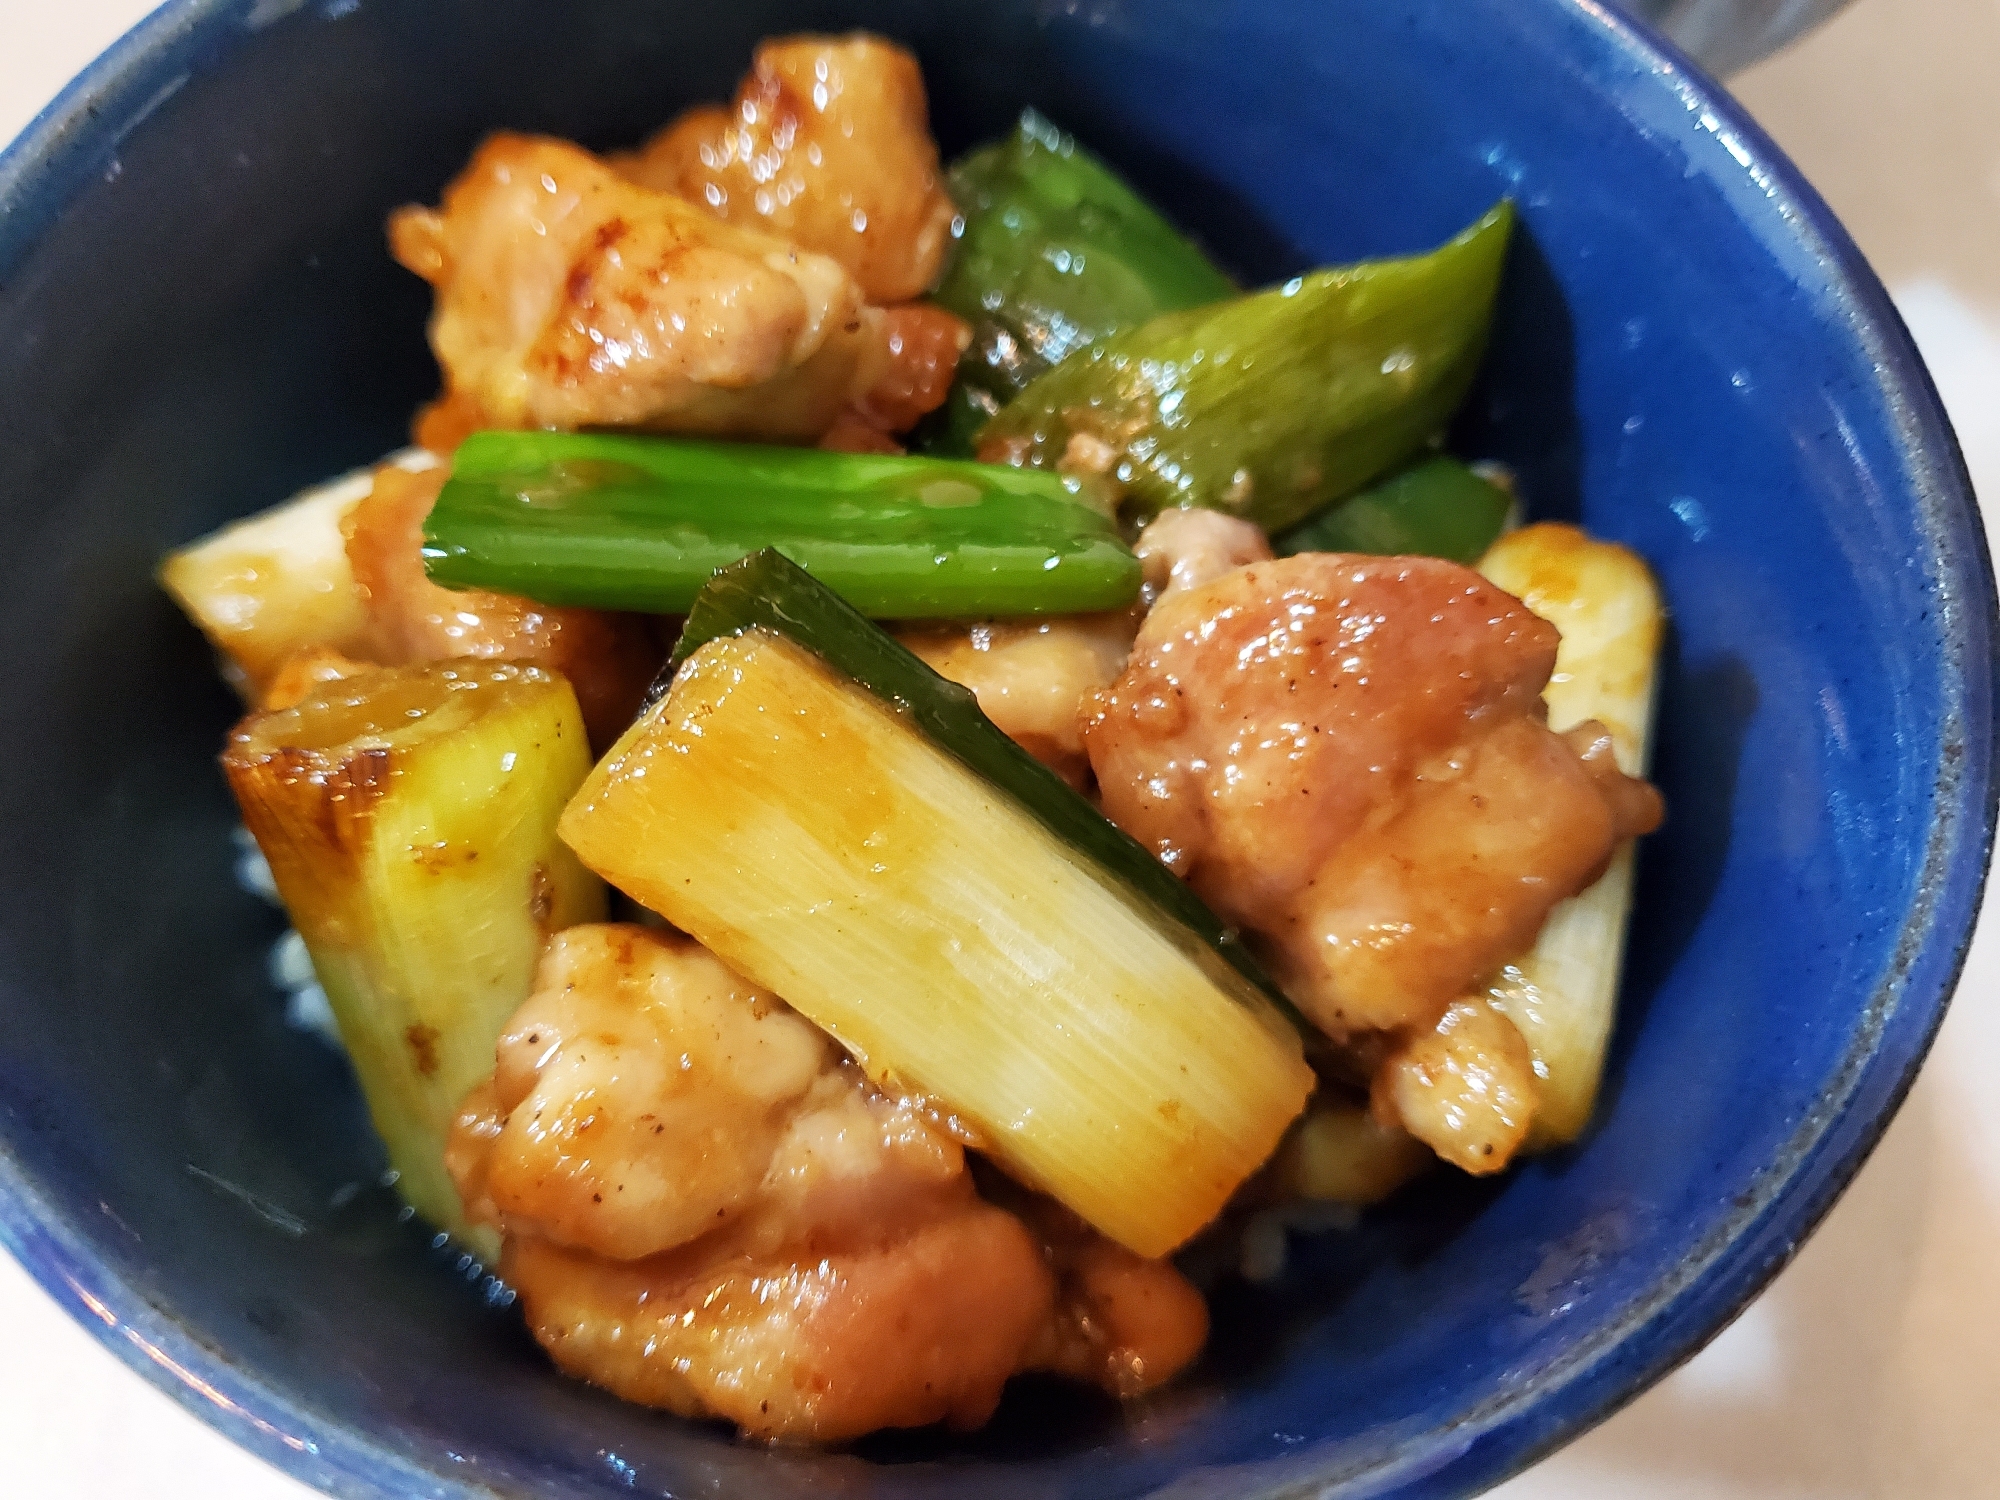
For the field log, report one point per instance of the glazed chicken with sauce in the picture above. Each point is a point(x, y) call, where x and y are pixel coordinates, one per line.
point(707, 1205)
point(709, 1209)
point(571, 295)
point(736, 278)
point(1030, 675)
point(568, 296)
point(827, 144)
point(1314, 744)
point(1350, 757)
point(607, 658)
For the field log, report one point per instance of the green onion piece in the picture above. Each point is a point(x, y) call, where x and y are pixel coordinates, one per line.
point(1056, 252)
point(640, 523)
point(768, 590)
point(1275, 404)
point(826, 848)
point(1437, 508)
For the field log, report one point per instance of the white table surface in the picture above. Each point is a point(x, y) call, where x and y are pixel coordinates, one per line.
point(1871, 1369)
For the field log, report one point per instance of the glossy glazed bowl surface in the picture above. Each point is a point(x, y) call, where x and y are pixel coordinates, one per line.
point(197, 315)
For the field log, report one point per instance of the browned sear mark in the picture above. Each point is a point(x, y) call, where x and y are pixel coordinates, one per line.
point(423, 1042)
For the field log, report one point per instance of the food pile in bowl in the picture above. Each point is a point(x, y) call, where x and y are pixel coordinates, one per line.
point(1076, 765)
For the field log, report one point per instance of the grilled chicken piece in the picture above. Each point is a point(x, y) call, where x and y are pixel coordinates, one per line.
point(1184, 549)
point(827, 144)
point(924, 344)
point(568, 296)
point(709, 1209)
point(1466, 1088)
point(608, 658)
point(1121, 1322)
point(901, 1330)
point(1441, 888)
point(1348, 755)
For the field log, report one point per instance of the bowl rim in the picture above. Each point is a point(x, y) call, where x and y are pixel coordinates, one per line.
point(71, 138)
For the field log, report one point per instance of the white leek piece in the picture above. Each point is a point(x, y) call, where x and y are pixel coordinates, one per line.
point(409, 816)
point(826, 848)
point(267, 587)
point(1563, 993)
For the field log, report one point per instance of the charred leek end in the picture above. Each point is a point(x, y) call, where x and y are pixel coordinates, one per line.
point(823, 845)
point(409, 816)
point(1435, 508)
point(636, 523)
point(1272, 405)
point(266, 588)
point(1056, 252)
point(1340, 1153)
point(1563, 994)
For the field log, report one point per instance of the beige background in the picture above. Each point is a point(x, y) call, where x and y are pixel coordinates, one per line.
point(1871, 1369)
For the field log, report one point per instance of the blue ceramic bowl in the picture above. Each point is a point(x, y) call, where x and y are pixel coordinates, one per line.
point(197, 315)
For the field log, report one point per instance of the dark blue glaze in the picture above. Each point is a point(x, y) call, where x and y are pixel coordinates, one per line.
point(197, 315)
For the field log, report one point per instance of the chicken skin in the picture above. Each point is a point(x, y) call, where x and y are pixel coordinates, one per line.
point(828, 145)
point(568, 296)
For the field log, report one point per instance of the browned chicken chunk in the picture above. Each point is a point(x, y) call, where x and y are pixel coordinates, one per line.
point(1122, 1322)
point(897, 1330)
point(709, 1209)
point(568, 296)
point(1033, 677)
point(828, 144)
point(1466, 1087)
point(1453, 879)
point(608, 658)
point(1348, 755)
point(924, 344)
point(1185, 548)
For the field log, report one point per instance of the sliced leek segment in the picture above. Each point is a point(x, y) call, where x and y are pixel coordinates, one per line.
point(277, 583)
point(768, 590)
point(408, 815)
point(1563, 993)
point(824, 846)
